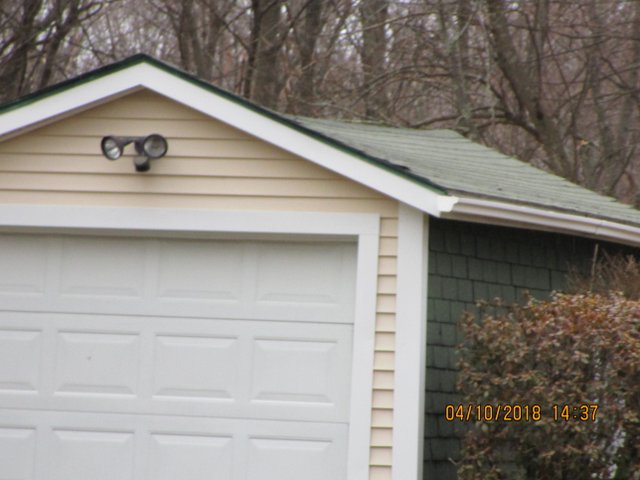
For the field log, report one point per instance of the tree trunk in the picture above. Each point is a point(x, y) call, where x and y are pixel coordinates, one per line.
point(455, 38)
point(312, 26)
point(264, 81)
point(522, 80)
point(373, 16)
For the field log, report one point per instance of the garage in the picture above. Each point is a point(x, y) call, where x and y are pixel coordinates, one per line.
point(161, 357)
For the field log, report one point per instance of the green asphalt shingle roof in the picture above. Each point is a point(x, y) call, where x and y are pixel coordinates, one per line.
point(460, 166)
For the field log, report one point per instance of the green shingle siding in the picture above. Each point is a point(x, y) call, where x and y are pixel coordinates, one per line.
point(459, 266)
point(468, 262)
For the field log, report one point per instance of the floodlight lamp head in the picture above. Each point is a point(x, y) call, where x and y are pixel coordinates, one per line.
point(147, 148)
point(153, 146)
point(112, 147)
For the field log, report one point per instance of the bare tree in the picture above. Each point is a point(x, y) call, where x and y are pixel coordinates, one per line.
point(36, 38)
point(554, 83)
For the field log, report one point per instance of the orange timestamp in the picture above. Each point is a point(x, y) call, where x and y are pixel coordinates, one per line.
point(519, 412)
point(493, 413)
point(585, 412)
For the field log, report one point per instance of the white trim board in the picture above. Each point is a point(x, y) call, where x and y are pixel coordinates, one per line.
point(145, 75)
point(411, 345)
point(363, 228)
point(186, 220)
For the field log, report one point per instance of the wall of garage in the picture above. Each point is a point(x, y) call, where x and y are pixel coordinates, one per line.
point(470, 262)
point(209, 166)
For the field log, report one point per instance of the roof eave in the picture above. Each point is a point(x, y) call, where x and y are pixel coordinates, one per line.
point(522, 216)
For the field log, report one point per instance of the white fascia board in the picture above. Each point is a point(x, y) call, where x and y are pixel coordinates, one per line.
point(508, 214)
point(231, 112)
point(411, 345)
point(167, 220)
point(72, 100)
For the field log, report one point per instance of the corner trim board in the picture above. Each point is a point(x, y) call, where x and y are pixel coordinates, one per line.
point(411, 345)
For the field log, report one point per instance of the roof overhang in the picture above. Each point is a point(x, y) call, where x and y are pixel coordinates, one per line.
point(76, 96)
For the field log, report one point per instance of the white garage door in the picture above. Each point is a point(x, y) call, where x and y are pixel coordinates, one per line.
point(129, 358)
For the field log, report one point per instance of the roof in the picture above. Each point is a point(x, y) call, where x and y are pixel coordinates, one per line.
point(436, 171)
point(460, 166)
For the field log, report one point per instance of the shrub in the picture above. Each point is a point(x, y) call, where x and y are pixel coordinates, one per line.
point(608, 272)
point(581, 349)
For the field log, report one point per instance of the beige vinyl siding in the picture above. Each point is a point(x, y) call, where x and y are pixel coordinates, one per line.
point(384, 355)
point(209, 165)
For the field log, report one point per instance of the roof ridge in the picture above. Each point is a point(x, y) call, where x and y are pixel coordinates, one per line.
point(369, 123)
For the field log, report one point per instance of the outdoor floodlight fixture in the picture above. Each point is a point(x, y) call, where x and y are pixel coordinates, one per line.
point(147, 148)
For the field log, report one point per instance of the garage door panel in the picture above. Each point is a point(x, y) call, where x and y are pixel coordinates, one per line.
point(108, 446)
point(109, 267)
point(293, 370)
point(190, 457)
point(282, 272)
point(196, 367)
point(285, 459)
point(20, 353)
point(90, 455)
point(201, 272)
point(96, 362)
point(240, 368)
point(24, 265)
point(214, 278)
point(124, 357)
point(175, 307)
point(17, 453)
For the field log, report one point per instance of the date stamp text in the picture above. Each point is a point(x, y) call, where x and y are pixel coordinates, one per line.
point(586, 412)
